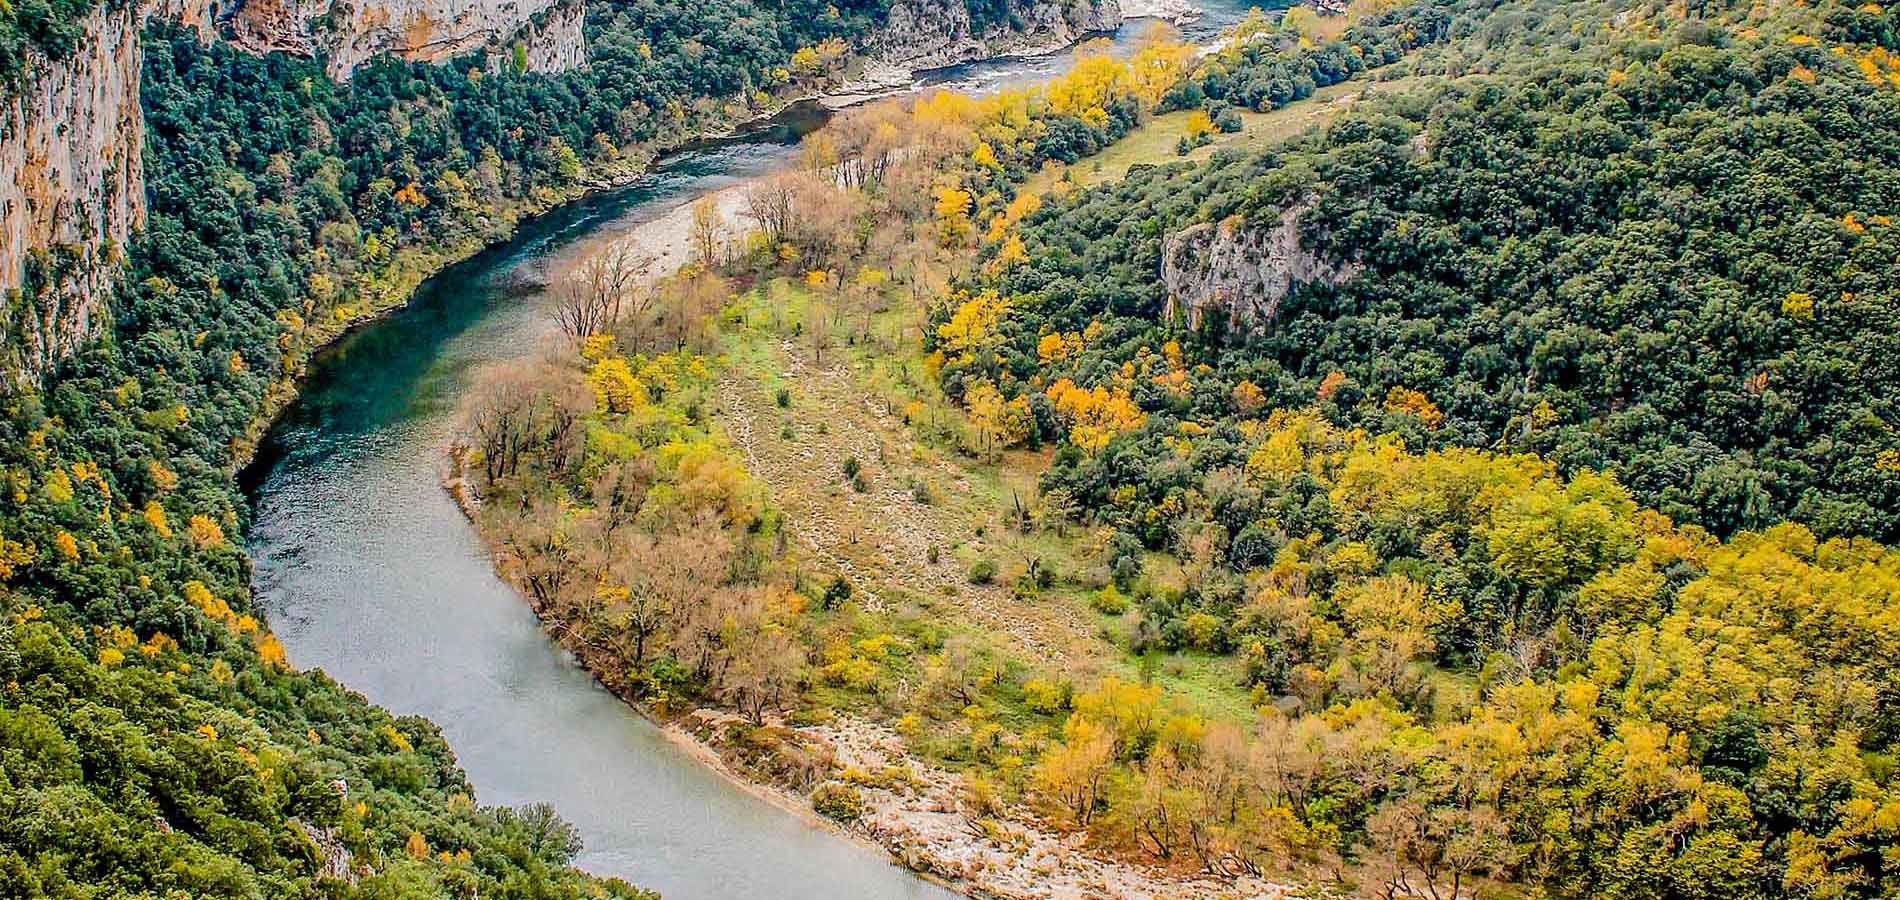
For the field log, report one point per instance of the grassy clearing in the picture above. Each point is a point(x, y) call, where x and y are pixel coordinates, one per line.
point(920, 515)
point(1155, 141)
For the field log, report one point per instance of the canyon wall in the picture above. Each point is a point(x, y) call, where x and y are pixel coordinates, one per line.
point(72, 190)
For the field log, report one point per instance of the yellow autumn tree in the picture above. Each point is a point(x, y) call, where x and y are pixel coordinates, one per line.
point(1073, 774)
point(1159, 65)
point(973, 325)
point(1095, 415)
point(615, 388)
point(155, 517)
point(984, 155)
point(205, 532)
point(999, 423)
point(1090, 88)
point(1199, 125)
point(1012, 254)
point(1406, 401)
point(953, 214)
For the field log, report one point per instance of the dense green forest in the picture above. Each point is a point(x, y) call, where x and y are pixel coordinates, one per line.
point(46, 27)
point(1667, 256)
point(155, 741)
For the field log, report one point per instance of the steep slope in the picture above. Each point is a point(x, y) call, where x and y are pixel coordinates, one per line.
point(72, 189)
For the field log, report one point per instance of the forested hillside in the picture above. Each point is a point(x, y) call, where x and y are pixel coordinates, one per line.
point(1478, 495)
point(1666, 255)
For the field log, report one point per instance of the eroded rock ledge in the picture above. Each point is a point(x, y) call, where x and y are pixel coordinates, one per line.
point(1241, 270)
point(350, 32)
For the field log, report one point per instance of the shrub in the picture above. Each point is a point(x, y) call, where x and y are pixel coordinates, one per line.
point(1046, 697)
point(1109, 600)
point(1204, 631)
point(838, 801)
point(982, 572)
point(838, 591)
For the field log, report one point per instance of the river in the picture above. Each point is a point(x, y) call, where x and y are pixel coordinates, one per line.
point(367, 570)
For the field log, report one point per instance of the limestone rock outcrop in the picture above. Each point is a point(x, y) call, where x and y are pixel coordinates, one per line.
point(1243, 270)
point(928, 34)
point(349, 32)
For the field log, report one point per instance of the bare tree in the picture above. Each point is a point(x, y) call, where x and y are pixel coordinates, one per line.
point(596, 293)
point(861, 146)
point(669, 585)
point(765, 662)
point(540, 549)
point(520, 409)
point(707, 227)
point(770, 202)
point(499, 423)
point(1432, 852)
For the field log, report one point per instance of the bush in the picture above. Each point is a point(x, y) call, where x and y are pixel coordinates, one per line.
point(1046, 697)
point(982, 572)
point(1109, 601)
point(1204, 631)
point(784, 398)
point(838, 591)
point(838, 801)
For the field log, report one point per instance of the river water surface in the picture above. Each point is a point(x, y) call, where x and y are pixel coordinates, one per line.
point(367, 569)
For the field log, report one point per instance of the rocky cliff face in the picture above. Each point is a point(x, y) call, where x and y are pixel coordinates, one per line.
point(928, 34)
point(72, 189)
point(349, 32)
point(201, 16)
point(1242, 271)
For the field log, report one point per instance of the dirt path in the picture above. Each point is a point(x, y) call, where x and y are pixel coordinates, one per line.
point(881, 539)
